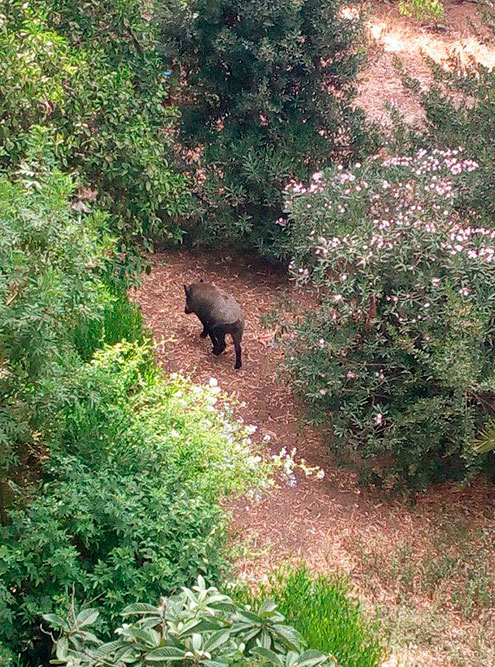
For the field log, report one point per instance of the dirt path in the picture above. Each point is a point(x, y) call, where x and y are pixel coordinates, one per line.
point(330, 523)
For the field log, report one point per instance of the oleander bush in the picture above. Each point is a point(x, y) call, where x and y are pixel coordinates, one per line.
point(128, 504)
point(460, 111)
point(266, 90)
point(399, 355)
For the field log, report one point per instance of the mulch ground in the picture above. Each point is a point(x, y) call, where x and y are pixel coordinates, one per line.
point(395, 37)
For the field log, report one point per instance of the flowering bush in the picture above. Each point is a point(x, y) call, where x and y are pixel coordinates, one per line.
point(400, 353)
point(460, 109)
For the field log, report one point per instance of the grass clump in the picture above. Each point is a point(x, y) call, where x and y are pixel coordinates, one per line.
point(329, 619)
point(120, 320)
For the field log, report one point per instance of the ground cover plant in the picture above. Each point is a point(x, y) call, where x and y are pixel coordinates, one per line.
point(198, 626)
point(423, 9)
point(128, 502)
point(434, 583)
point(266, 90)
point(399, 355)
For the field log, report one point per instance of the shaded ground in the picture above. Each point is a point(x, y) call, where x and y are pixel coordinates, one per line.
point(426, 570)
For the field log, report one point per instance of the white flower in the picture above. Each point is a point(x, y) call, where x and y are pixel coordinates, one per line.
point(213, 382)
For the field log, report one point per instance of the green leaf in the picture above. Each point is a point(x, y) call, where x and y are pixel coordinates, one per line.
point(55, 620)
point(166, 653)
point(87, 617)
point(269, 655)
point(140, 608)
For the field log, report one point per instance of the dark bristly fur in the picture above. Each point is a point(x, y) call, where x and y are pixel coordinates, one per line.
point(219, 313)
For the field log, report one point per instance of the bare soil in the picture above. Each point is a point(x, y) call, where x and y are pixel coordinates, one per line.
point(426, 570)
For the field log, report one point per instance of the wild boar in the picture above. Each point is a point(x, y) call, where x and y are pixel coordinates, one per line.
point(219, 313)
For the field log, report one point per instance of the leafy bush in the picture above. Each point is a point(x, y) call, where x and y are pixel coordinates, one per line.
point(129, 502)
point(92, 76)
point(400, 353)
point(328, 618)
point(52, 260)
point(422, 9)
point(267, 91)
point(196, 627)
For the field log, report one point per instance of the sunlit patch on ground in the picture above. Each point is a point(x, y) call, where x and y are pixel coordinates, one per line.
point(394, 36)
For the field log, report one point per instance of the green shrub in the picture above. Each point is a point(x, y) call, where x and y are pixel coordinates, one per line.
point(267, 91)
point(399, 356)
point(196, 627)
point(129, 502)
point(52, 260)
point(422, 9)
point(329, 619)
point(92, 76)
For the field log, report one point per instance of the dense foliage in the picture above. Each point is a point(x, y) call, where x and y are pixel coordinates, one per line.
point(329, 619)
point(128, 505)
point(52, 260)
point(196, 627)
point(266, 95)
point(400, 354)
point(92, 77)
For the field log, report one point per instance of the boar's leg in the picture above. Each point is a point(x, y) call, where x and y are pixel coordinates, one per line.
point(220, 345)
point(236, 337)
point(204, 322)
point(213, 338)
